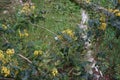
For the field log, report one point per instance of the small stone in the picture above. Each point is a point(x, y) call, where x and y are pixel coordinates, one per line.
point(56, 38)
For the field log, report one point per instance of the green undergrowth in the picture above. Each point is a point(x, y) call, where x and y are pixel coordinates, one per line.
point(43, 42)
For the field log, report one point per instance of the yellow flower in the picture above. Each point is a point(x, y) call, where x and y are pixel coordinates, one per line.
point(23, 34)
point(69, 33)
point(4, 26)
point(87, 1)
point(38, 52)
point(5, 71)
point(117, 14)
point(102, 19)
point(1, 55)
point(110, 10)
point(60, 37)
point(54, 71)
point(26, 8)
point(26, 34)
point(10, 51)
point(32, 7)
point(20, 34)
point(116, 10)
point(103, 26)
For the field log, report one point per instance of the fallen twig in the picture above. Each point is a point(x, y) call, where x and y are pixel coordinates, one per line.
point(43, 28)
point(25, 58)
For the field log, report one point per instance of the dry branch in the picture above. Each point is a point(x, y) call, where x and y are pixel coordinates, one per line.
point(25, 58)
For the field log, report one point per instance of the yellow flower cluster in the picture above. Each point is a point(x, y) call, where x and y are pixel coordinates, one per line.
point(1, 55)
point(24, 33)
point(60, 37)
point(38, 52)
point(10, 51)
point(103, 24)
point(4, 26)
point(118, 14)
point(102, 19)
point(5, 71)
point(70, 33)
point(116, 11)
point(27, 8)
point(54, 71)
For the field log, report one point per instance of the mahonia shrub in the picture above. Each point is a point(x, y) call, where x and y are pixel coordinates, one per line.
point(22, 59)
point(105, 30)
point(14, 43)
